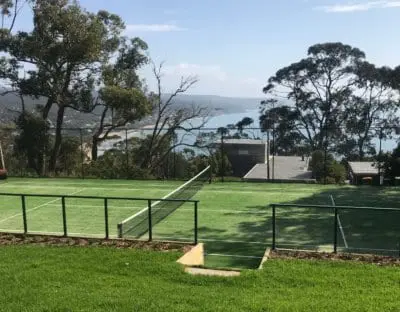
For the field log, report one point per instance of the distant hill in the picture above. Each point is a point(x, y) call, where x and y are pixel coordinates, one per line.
point(10, 106)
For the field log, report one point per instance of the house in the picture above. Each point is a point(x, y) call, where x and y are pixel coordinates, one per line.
point(244, 154)
point(364, 172)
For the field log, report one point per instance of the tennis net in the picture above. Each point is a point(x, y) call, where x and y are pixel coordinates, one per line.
point(138, 224)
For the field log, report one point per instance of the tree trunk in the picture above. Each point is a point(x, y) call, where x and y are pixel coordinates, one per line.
point(94, 148)
point(46, 109)
point(361, 151)
point(58, 139)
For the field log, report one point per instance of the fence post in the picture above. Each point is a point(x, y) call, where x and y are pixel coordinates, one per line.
point(24, 214)
point(268, 153)
point(273, 227)
point(335, 231)
point(195, 222)
point(106, 217)
point(126, 151)
point(222, 158)
point(82, 154)
point(150, 221)
point(64, 216)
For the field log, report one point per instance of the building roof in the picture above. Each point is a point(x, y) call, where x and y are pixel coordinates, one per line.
point(363, 167)
point(244, 142)
point(281, 168)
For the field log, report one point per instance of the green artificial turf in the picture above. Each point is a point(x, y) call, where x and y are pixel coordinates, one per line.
point(60, 279)
point(234, 219)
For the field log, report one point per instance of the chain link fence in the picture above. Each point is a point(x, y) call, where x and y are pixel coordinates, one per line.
point(235, 154)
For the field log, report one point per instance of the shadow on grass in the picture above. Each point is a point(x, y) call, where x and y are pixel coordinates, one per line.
point(362, 231)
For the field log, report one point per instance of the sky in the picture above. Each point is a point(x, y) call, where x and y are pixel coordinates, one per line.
point(234, 46)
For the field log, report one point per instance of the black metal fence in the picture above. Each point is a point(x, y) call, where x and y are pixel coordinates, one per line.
point(106, 222)
point(344, 229)
point(232, 152)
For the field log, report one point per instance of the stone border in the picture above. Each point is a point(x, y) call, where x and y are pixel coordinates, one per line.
point(327, 256)
point(7, 239)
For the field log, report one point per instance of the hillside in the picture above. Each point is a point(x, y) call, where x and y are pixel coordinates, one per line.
point(10, 106)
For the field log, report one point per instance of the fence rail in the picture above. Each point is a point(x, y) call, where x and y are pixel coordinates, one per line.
point(364, 224)
point(105, 200)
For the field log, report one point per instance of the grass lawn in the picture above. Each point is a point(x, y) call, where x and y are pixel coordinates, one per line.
point(234, 217)
point(60, 279)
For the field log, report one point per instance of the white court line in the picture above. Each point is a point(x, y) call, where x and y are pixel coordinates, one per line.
point(212, 240)
point(340, 225)
point(37, 207)
point(232, 256)
point(228, 191)
point(74, 187)
point(29, 184)
point(186, 210)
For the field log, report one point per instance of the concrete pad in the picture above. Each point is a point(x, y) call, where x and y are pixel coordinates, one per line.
point(209, 272)
point(265, 258)
point(194, 257)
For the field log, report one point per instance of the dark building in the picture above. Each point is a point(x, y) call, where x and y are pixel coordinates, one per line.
point(244, 154)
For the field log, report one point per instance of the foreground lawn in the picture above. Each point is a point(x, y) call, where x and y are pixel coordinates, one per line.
point(64, 279)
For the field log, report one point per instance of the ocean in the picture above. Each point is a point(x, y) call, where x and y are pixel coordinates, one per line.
point(222, 121)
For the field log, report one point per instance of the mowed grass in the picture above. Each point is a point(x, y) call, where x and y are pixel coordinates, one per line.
point(34, 278)
point(234, 218)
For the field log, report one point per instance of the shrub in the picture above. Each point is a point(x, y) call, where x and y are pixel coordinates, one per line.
point(335, 172)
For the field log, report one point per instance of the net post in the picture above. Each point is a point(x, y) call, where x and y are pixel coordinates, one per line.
point(64, 216)
point(195, 222)
point(24, 214)
point(150, 221)
point(335, 230)
point(273, 227)
point(119, 230)
point(106, 218)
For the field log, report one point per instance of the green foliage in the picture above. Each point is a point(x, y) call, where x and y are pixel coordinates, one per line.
point(220, 164)
point(128, 104)
point(337, 173)
point(33, 141)
point(70, 160)
point(391, 164)
point(114, 164)
point(329, 170)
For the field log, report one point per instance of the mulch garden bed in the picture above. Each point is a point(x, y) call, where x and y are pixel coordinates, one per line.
point(374, 259)
point(44, 240)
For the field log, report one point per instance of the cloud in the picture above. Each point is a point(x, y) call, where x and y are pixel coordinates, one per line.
point(153, 28)
point(187, 69)
point(359, 6)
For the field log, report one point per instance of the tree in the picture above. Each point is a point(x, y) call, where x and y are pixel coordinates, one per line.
point(33, 141)
point(372, 110)
point(66, 49)
point(281, 121)
point(10, 10)
point(391, 164)
point(318, 89)
point(122, 94)
point(168, 121)
point(243, 124)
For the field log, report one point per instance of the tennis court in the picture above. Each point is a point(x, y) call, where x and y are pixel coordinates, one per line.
point(234, 219)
